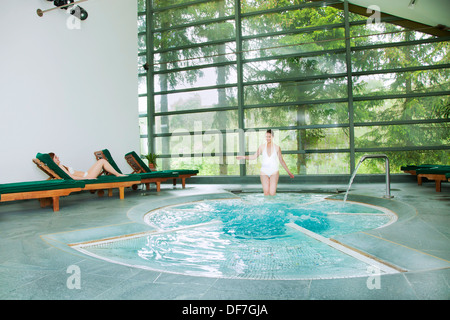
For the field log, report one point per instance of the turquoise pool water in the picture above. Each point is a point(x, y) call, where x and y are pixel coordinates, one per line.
point(251, 237)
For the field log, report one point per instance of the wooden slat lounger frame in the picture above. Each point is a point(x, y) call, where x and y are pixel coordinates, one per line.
point(45, 197)
point(427, 171)
point(91, 186)
point(147, 180)
point(138, 168)
point(437, 177)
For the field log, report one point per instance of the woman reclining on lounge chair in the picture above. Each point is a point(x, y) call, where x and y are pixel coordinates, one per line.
point(92, 173)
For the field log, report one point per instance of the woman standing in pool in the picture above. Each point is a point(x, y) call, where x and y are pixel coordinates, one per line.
point(271, 157)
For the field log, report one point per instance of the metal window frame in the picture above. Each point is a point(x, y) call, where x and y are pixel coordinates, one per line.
point(239, 62)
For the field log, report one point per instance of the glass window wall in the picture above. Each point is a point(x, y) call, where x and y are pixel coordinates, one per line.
point(214, 75)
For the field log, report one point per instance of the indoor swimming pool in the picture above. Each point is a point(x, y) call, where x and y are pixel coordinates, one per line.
point(285, 237)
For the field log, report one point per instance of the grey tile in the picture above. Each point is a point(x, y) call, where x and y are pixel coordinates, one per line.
point(391, 287)
point(32, 268)
point(432, 285)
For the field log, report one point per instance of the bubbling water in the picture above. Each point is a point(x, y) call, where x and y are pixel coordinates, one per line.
point(248, 238)
point(252, 217)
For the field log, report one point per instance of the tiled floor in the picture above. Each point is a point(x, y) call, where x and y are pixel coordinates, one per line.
point(34, 260)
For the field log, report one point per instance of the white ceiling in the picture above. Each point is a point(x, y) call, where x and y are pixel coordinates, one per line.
point(429, 12)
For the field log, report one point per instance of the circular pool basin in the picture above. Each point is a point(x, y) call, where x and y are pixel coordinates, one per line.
point(284, 237)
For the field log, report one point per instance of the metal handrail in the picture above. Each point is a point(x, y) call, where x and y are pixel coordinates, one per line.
point(388, 175)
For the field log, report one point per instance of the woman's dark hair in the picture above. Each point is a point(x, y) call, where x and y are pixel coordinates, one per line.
point(52, 155)
point(270, 131)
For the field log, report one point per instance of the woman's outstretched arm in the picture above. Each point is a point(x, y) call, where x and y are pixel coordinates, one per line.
point(251, 157)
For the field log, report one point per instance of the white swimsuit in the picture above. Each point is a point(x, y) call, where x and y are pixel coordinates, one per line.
point(269, 164)
point(72, 171)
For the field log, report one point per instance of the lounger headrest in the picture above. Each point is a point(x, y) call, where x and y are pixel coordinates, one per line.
point(139, 160)
point(47, 160)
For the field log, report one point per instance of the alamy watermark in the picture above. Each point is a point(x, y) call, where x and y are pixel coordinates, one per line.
point(216, 143)
point(375, 15)
point(73, 22)
point(74, 280)
point(374, 279)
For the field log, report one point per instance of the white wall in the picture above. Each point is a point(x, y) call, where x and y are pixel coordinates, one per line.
point(67, 90)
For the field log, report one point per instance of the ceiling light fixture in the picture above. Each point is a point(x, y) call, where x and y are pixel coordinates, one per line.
point(64, 4)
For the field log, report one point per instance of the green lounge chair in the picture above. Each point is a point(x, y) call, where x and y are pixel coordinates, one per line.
point(47, 192)
point(412, 168)
point(146, 178)
point(138, 165)
point(438, 174)
point(46, 164)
